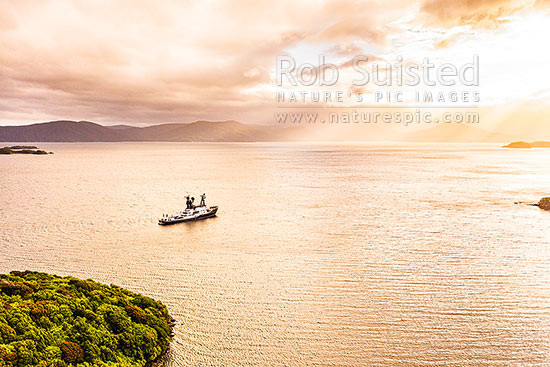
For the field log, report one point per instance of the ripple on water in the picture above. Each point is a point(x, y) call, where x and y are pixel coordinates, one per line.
point(320, 256)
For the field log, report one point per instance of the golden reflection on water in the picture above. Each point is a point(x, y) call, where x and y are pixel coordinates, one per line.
point(321, 255)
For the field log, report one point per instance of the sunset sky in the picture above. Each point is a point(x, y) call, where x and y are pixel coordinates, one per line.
point(143, 62)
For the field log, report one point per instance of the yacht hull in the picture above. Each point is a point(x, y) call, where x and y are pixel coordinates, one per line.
point(169, 221)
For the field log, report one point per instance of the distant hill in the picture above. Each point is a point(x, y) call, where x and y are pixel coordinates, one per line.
point(120, 127)
point(199, 131)
point(59, 131)
point(524, 145)
point(455, 133)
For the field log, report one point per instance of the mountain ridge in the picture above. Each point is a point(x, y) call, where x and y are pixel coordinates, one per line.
point(233, 131)
point(87, 131)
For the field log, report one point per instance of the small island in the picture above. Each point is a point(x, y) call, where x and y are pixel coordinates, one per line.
point(544, 203)
point(47, 320)
point(23, 149)
point(525, 145)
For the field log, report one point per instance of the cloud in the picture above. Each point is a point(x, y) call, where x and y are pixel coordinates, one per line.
point(168, 61)
point(178, 60)
point(475, 13)
point(349, 49)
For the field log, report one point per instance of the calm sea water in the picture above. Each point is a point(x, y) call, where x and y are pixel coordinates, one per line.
point(321, 255)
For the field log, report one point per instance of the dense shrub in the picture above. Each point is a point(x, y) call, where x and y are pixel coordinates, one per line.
point(46, 320)
point(136, 313)
point(72, 352)
point(544, 203)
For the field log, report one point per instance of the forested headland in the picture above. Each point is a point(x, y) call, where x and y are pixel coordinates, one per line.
point(47, 320)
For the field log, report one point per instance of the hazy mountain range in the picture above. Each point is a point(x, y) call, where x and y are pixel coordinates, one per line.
point(85, 131)
point(234, 131)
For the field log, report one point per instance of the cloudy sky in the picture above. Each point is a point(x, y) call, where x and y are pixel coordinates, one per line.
point(143, 62)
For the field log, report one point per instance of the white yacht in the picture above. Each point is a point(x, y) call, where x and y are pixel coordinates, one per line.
point(192, 212)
